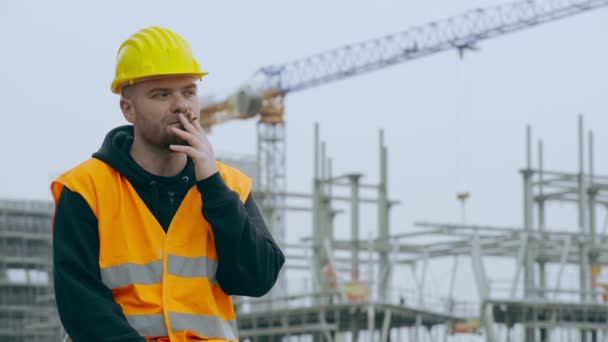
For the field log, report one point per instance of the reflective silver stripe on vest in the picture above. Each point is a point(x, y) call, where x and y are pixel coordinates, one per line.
point(130, 273)
point(148, 325)
point(192, 267)
point(208, 326)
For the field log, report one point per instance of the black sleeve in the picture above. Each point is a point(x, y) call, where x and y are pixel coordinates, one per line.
point(249, 259)
point(86, 307)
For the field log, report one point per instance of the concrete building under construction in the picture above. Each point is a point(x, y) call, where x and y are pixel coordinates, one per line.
point(27, 308)
point(346, 306)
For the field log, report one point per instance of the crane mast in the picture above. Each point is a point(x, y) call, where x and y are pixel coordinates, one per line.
point(262, 96)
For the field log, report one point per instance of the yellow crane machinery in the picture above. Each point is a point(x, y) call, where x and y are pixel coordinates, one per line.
point(244, 105)
point(262, 96)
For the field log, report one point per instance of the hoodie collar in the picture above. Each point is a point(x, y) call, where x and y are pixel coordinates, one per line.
point(114, 151)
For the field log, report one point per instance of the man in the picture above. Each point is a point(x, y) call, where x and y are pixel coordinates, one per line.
point(151, 235)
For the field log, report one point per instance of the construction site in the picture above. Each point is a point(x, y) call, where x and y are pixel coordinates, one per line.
point(354, 288)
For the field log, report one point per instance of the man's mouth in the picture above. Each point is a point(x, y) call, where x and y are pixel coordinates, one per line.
point(177, 124)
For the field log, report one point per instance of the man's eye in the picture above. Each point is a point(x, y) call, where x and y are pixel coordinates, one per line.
point(191, 92)
point(160, 95)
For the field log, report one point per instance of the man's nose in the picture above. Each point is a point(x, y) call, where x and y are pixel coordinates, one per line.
point(179, 104)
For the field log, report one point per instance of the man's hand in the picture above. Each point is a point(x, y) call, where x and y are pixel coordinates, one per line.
point(200, 149)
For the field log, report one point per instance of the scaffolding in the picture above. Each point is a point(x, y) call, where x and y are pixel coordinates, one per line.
point(531, 310)
point(27, 308)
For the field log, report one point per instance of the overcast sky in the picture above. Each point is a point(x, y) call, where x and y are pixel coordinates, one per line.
point(450, 124)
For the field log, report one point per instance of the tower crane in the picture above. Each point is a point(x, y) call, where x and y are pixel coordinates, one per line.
point(262, 96)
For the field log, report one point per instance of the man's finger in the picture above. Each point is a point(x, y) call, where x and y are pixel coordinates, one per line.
point(193, 128)
point(193, 117)
point(189, 150)
point(187, 136)
point(187, 124)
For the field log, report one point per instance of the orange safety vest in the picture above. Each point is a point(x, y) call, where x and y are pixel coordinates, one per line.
point(164, 282)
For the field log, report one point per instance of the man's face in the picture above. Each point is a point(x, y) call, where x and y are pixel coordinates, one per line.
point(153, 106)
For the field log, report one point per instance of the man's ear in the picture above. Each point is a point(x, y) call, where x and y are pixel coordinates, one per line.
point(126, 106)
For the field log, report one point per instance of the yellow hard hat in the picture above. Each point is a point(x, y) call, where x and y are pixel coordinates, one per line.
point(151, 52)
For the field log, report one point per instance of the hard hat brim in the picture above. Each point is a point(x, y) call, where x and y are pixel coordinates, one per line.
point(118, 84)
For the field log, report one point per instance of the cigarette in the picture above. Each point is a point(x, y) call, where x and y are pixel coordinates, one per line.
point(190, 115)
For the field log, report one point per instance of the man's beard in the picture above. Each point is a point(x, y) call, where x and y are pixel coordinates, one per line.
point(164, 138)
point(173, 139)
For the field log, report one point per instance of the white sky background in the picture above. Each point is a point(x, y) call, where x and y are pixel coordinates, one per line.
point(451, 125)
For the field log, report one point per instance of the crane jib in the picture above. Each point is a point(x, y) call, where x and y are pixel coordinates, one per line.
point(458, 32)
point(461, 32)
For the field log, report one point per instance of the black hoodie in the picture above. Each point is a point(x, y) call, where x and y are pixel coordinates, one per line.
point(249, 259)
